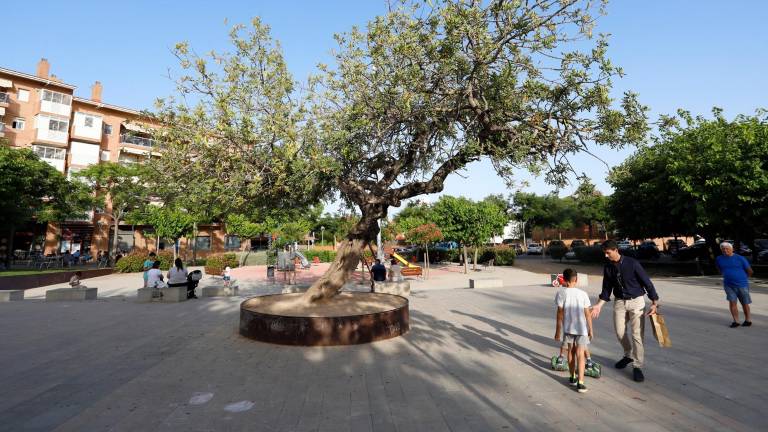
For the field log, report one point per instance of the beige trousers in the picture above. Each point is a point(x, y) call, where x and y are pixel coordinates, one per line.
point(630, 313)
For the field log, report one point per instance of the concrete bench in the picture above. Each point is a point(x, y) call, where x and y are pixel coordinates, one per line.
point(14, 295)
point(167, 295)
point(71, 294)
point(486, 283)
point(220, 291)
point(401, 288)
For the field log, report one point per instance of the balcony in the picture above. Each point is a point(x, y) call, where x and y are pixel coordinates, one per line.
point(5, 99)
point(47, 135)
point(138, 141)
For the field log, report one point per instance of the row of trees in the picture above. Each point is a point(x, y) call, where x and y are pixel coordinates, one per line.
point(701, 176)
point(459, 219)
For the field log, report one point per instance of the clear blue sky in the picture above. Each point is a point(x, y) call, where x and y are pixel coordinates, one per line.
point(691, 54)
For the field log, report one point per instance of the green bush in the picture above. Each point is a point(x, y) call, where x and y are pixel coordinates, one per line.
point(215, 264)
point(505, 256)
point(134, 262)
point(589, 254)
point(324, 255)
point(501, 255)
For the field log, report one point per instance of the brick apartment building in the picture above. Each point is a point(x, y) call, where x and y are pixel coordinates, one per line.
point(43, 113)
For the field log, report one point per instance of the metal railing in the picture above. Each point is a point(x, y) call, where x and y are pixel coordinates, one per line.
point(4, 98)
point(137, 140)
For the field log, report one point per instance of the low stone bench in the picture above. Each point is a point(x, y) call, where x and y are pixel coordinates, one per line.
point(168, 295)
point(13, 295)
point(71, 294)
point(581, 282)
point(220, 291)
point(401, 288)
point(486, 283)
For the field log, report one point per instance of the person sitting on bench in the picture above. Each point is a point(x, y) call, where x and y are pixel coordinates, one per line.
point(378, 271)
point(179, 276)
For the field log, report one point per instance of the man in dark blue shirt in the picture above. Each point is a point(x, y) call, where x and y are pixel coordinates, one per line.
point(626, 279)
point(378, 271)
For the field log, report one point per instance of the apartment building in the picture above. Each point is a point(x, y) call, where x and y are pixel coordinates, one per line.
point(42, 112)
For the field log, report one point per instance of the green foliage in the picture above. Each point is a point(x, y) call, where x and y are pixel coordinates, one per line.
point(424, 234)
point(467, 222)
point(324, 255)
point(25, 184)
point(240, 225)
point(501, 255)
point(216, 263)
point(134, 262)
point(591, 254)
point(168, 222)
point(707, 176)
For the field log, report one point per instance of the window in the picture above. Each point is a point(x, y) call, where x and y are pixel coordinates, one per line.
point(107, 129)
point(59, 98)
point(105, 155)
point(17, 124)
point(88, 121)
point(232, 242)
point(49, 152)
point(23, 95)
point(203, 243)
point(57, 125)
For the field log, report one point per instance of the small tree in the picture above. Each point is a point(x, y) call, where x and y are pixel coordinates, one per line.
point(424, 235)
point(121, 188)
point(168, 222)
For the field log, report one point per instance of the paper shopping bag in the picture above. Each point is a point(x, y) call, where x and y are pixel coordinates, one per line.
point(660, 331)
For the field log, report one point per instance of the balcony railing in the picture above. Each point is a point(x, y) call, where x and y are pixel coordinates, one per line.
point(137, 140)
point(4, 98)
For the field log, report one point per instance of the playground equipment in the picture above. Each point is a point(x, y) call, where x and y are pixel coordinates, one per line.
point(409, 269)
point(304, 261)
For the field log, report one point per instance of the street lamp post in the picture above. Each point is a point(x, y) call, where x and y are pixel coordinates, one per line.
point(322, 237)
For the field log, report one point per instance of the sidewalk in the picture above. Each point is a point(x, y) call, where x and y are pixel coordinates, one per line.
point(473, 360)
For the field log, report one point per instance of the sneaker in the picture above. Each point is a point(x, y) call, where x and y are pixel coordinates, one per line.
point(746, 323)
point(581, 388)
point(621, 364)
point(589, 364)
point(637, 375)
point(735, 324)
point(573, 381)
point(560, 361)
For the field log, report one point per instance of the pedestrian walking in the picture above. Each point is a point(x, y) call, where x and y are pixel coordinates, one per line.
point(626, 279)
point(736, 272)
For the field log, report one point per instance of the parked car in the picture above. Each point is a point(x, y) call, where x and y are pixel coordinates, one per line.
point(445, 246)
point(570, 255)
point(577, 243)
point(624, 244)
point(556, 244)
point(674, 245)
point(761, 245)
point(648, 250)
point(762, 257)
point(535, 249)
point(688, 253)
point(406, 249)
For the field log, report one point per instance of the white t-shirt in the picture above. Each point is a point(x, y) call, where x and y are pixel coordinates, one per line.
point(573, 301)
point(153, 277)
point(176, 276)
point(395, 274)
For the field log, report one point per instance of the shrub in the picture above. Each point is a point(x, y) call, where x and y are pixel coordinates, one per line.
point(589, 253)
point(501, 255)
point(134, 261)
point(505, 256)
point(324, 255)
point(215, 264)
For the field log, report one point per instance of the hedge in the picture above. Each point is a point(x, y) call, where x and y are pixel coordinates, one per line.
point(134, 262)
point(557, 251)
point(215, 264)
point(324, 255)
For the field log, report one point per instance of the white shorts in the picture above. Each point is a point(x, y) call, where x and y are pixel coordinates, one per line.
point(571, 339)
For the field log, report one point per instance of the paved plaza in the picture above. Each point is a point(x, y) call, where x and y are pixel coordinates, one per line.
point(474, 360)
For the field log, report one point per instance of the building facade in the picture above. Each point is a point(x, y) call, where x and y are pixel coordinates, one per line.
point(70, 133)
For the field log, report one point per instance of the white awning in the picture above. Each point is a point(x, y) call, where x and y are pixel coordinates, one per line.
point(2, 111)
point(5, 83)
point(135, 127)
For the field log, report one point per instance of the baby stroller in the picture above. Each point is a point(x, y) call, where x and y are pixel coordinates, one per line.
point(193, 279)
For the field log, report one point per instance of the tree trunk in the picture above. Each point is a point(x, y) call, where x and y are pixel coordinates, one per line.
point(114, 239)
point(194, 243)
point(9, 250)
point(348, 256)
point(474, 261)
point(175, 242)
point(466, 265)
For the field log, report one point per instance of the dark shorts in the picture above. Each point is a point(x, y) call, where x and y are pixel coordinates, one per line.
point(734, 293)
